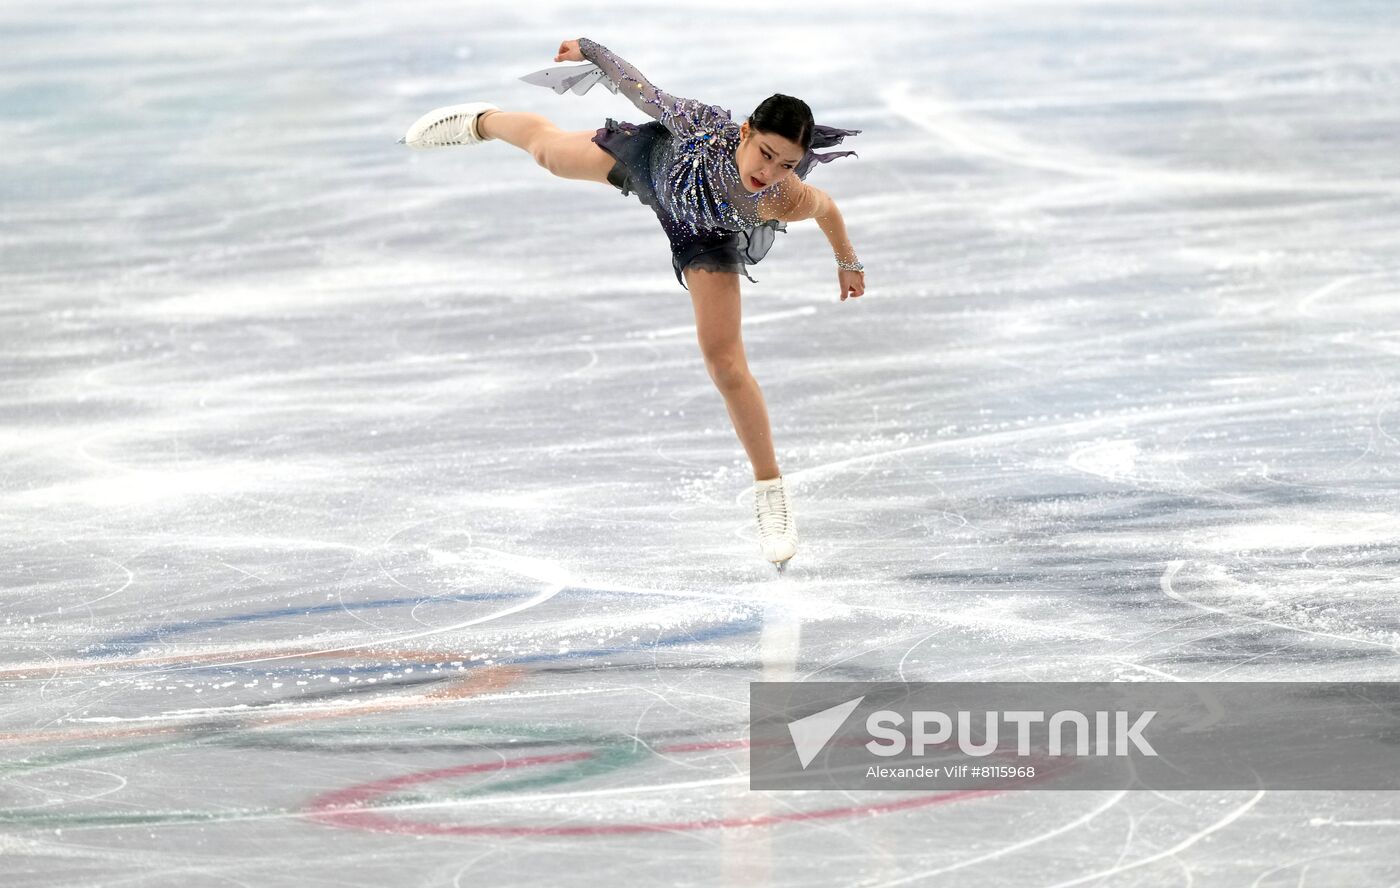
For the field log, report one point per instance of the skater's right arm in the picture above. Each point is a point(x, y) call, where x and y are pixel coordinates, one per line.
point(681, 116)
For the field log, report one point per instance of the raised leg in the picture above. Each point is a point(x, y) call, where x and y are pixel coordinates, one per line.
point(715, 295)
point(566, 154)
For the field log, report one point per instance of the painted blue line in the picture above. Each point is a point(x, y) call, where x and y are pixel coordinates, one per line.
point(124, 643)
point(721, 630)
point(749, 623)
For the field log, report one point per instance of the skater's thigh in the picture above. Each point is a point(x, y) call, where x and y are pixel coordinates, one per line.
point(715, 295)
point(574, 155)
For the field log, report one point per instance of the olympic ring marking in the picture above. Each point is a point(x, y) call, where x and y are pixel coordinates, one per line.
point(345, 807)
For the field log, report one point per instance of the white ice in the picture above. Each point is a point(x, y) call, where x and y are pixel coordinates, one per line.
point(368, 517)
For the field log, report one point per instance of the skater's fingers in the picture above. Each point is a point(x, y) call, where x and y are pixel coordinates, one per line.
point(569, 51)
point(852, 283)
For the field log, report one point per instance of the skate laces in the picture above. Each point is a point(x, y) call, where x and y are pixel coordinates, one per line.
point(771, 508)
point(442, 132)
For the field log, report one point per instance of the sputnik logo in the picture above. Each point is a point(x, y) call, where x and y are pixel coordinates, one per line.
point(811, 732)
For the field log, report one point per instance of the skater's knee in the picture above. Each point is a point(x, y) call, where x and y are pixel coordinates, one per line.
point(727, 368)
point(539, 150)
point(549, 150)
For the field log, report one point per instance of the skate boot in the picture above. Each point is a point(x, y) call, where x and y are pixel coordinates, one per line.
point(448, 126)
point(777, 530)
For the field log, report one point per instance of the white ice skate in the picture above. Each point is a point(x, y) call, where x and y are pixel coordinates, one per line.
point(448, 126)
point(777, 530)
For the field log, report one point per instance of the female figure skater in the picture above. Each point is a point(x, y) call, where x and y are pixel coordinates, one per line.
point(720, 191)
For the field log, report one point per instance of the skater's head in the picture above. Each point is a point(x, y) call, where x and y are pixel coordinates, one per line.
point(773, 141)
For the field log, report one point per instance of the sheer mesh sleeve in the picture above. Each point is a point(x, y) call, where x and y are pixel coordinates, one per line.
point(679, 115)
point(792, 201)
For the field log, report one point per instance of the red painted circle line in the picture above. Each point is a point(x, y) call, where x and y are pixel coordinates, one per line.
point(345, 807)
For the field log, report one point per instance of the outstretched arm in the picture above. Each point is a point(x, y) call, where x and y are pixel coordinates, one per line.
point(634, 85)
point(794, 201)
point(679, 115)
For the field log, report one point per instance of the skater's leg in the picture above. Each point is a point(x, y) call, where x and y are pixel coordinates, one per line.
point(569, 155)
point(715, 295)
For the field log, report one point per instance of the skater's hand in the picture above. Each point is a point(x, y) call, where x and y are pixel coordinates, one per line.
point(569, 52)
point(852, 282)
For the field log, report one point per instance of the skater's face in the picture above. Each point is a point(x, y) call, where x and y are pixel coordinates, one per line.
point(764, 159)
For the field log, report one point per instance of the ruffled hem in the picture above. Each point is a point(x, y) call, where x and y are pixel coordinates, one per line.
point(714, 261)
point(737, 251)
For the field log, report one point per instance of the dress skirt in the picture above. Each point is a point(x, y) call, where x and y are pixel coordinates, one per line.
point(708, 249)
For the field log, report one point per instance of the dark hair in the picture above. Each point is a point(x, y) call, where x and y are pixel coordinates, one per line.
point(784, 116)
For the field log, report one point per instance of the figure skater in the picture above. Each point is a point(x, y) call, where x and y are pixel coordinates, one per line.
point(720, 190)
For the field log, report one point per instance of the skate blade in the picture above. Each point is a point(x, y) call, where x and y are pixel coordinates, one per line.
point(781, 566)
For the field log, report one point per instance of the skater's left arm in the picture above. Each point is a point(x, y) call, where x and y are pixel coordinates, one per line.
point(678, 114)
point(798, 201)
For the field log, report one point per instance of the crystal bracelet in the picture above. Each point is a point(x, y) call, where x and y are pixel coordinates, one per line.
point(849, 266)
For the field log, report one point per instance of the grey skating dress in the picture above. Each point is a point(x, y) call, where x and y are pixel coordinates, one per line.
point(681, 164)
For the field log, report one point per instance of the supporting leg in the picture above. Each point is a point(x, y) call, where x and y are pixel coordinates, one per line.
point(715, 296)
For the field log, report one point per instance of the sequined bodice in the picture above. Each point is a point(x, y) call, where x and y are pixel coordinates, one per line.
point(698, 182)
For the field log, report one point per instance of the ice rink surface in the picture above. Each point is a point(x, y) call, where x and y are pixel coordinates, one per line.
point(369, 519)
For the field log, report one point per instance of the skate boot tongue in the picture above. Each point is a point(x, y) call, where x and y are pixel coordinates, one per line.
point(777, 532)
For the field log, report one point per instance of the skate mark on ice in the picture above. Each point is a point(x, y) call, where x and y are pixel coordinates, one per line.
point(1185, 843)
point(941, 116)
point(1169, 590)
point(1010, 849)
point(1117, 422)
